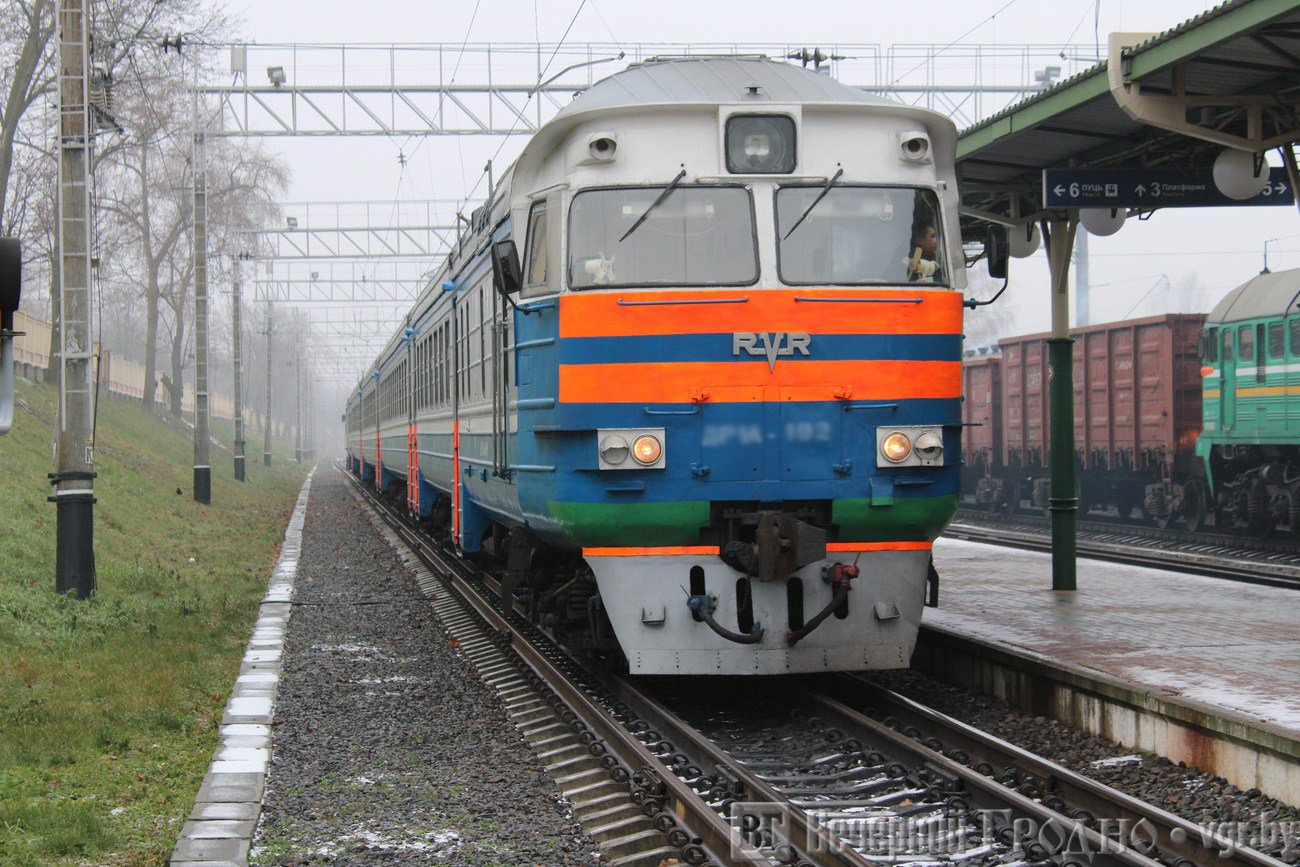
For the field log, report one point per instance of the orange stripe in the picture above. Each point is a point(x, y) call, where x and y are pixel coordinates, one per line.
point(847, 547)
point(739, 381)
point(598, 314)
point(670, 551)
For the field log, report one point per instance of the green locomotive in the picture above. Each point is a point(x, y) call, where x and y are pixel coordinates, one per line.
point(1250, 437)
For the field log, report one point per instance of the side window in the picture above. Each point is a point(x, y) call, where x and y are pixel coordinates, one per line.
point(1294, 324)
point(1246, 342)
point(1227, 345)
point(535, 269)
point(1212, 345)
point(1276, 349)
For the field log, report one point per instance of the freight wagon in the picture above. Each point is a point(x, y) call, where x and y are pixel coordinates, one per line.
point(1137, 410)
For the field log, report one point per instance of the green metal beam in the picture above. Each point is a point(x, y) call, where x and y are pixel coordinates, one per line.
point(1034, 111)
point(1166, 51)
point(1180, 47)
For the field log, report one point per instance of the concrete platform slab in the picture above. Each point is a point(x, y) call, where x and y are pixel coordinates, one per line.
point(1224, 643)
point(1198, 669)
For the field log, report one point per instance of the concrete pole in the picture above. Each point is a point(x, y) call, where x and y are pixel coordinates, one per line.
point(270, 357)
point(1082, 291)
point(236, 308)
point(202, 443)
point(297, 396)
point(1060, 348)
point(74, 476)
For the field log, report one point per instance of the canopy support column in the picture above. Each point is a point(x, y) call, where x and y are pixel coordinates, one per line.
point(1059, 234)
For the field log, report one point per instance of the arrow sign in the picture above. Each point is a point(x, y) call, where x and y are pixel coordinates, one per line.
point(1161, 188)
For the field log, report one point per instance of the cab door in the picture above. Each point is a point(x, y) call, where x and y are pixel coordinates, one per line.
point(1228, 382)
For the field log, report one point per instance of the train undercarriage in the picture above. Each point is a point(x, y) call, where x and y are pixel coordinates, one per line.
point(1255, 491)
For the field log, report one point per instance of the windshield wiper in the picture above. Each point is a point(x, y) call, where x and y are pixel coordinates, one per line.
point(826, 189)
point(672, 185)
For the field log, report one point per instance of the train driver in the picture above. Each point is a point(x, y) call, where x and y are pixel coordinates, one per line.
point(923, 265)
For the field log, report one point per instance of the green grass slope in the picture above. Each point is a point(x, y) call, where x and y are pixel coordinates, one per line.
point(109, 706)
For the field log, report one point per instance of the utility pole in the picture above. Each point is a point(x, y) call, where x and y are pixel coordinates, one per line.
point(236, 308)
point(202, 444)
point(73, 479)
point(270, 349)
point(297, 390)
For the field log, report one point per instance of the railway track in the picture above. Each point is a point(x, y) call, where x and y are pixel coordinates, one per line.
point(827, 770)
point(1257, 561)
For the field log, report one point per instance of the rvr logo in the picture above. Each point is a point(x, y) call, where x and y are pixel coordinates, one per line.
point(770, 346)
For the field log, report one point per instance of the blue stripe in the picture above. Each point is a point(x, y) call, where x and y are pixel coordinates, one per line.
point(590, 416)
point(718, 348)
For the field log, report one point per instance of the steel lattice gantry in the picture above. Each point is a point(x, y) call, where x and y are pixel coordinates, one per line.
point(504, 88)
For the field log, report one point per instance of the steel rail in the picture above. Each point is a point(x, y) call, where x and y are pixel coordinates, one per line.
point(696, 817)
point(1231, 564)
point(1177, 841)
point(820, 846)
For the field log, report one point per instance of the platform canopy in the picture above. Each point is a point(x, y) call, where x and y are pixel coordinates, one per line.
point(1229, 77)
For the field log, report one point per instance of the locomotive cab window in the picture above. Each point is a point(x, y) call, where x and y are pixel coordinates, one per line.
point(662, 236)
point(1294, 328)
point(1276, 347)
point(1210, 345)
point(1246, 343)
point(1227, 345)
point(535, 257)
point(760, 144)
point(859, 235)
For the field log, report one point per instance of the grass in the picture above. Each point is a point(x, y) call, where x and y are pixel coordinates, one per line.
point(109, 706)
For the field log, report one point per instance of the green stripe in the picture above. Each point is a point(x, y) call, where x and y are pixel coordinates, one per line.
point(910, 519)
point(632, 524)
point(655, 524)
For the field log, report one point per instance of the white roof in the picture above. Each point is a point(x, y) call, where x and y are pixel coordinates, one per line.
point(716, 79)
point(1263, 295)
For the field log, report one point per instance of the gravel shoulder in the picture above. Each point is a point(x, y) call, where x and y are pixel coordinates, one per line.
point(387, 748)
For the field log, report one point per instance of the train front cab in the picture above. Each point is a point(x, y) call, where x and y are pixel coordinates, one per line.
point(730, 399)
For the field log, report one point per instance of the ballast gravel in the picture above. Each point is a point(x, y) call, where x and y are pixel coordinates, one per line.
point(1245, 816)
point(386, 747)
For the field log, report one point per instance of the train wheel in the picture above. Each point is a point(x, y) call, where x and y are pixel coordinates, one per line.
point(1012, 504)
point(1195, 506)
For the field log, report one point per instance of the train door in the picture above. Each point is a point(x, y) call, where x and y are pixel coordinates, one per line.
point(1228, 382)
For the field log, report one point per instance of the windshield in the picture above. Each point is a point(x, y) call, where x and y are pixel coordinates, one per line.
point(859, 235)
point(696, 236)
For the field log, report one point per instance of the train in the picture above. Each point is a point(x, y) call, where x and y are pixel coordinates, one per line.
point(1185, 419)
point(689, 381)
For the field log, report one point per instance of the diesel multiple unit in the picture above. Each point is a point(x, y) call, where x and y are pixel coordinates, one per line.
point(690, 381)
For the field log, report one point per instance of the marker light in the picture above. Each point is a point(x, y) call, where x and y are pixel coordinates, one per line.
point(1206, 371)
point(929, 446)
point(613, 449)
point(896, 447)
point(647, 448)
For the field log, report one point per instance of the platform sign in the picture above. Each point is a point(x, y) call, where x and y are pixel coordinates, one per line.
point(1151, 188)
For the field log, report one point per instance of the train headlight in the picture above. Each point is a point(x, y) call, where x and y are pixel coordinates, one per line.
point(647, 449)
point(613, 450)
point(644, 447)
point(760, 144)
point(896, 447)
point(910, 446)
point(929, 447)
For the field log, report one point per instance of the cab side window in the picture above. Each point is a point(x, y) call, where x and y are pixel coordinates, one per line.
point(535, 268)
point(1276, 349)
point(1294, 324)
point(1246, 341)
point(1227, 345)
point(1212, 345)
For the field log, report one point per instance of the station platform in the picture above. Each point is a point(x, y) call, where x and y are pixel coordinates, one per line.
point(1199, 669)
point(1220, 642)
